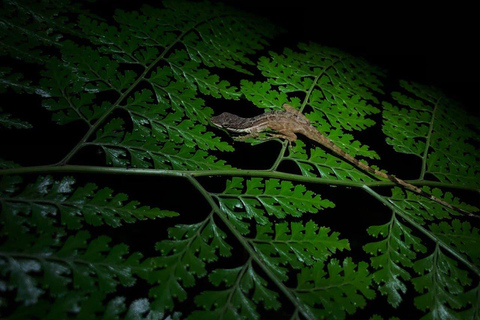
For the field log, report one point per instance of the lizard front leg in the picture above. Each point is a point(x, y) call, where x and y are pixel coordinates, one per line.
point(246, 136)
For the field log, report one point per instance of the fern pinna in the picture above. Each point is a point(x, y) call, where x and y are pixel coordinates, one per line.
point(98, 225)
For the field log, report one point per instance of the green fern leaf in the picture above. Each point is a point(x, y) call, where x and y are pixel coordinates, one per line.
point(47, 198)
point(423, 209)
point(7, 121)
point(142, 86)
point(184, 257)
point(318, 71)
point(10, 79)
point(436, 132)
point(441, 285)
point(295, 246)
point(320, 163)
point(35, 27)
point(65, 96)
point(333, 293)
point(85, 264)
point(172, 126)
point(244, 289)
point(4, 164)
point(89, 307)
point(274, 197)
point(391, 256)
point(461, 235)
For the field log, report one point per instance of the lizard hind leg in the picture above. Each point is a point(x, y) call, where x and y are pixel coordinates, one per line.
point(289, 136)
point(288, 108)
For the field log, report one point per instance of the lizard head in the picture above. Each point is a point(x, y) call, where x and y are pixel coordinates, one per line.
point(226, 120)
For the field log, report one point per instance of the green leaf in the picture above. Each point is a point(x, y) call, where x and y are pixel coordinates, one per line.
point(171, 126)
point(35, 265)
point(89, 307)
point(322, 164)
point(440, 284)
point(320, 72)
point(30, 29)
point(296, 246)
point(38, 203)
point(66, 95)
point(333, 293)
point(245, 289)
point(432, 127)
point(183, 258)
point(422, 209)
point(140, 88)
point(271, 196)
point(461, 235)
point(392, 255)
point(7, 121)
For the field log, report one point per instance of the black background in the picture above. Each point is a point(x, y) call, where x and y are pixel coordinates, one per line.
point(434, 45)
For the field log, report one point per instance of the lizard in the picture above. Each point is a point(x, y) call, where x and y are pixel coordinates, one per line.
point(290, 122)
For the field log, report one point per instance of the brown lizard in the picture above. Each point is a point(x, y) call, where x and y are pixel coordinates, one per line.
point(291, 121)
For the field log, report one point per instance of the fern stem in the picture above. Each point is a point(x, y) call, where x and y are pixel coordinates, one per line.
point(426, 232)
point(222, 172)
point(246, 245)
point(280, 156)
point(315, 80)
point(427, 142)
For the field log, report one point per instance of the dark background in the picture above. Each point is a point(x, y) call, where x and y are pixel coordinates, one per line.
point(433, 45)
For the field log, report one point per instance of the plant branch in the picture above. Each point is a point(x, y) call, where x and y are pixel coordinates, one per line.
point(427, 143)
point(222, 172)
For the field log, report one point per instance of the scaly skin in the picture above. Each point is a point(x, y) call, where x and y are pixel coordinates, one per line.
point(291, 121)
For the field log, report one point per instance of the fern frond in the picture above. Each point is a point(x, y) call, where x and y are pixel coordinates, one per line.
point(319, 72)
point(320, 163)
point(428, 125)
point(91, 306)
point(295, 246)
point(38, 203)
point(142, 86)
point(461, 235)
point(423, 209)
point(5, 164)
point(36, 265)
point(392, 255)
point(28, 27)
point(244, 289)
point(337, 89)
point(271, 196)
point(333, 293)
point(141, 149)
point(184, 258)
point(173, 126)
point(440, 284)
point(9, 122)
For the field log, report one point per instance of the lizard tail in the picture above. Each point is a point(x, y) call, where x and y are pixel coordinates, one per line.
point(329, 144)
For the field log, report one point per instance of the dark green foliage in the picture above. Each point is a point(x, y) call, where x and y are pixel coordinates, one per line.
point(438, 132)
point(74, 206)
point(341, 289)
point(139, 87)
